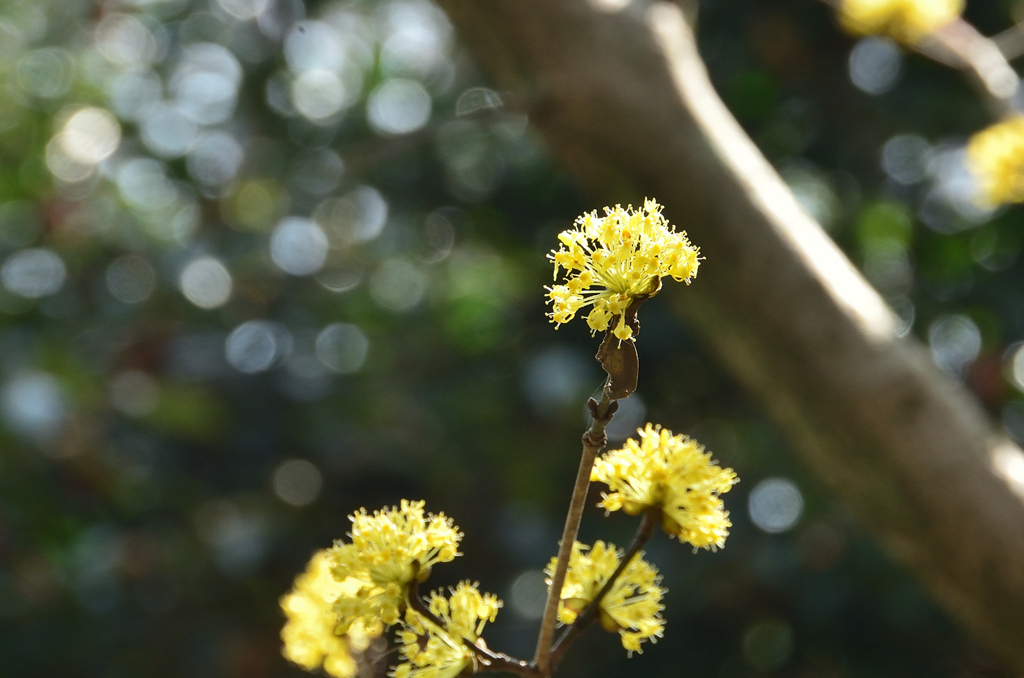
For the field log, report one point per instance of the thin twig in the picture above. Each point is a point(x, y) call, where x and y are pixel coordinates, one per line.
point(489, 661)
point(677, 140)
point(643, 534)
point(593, 440)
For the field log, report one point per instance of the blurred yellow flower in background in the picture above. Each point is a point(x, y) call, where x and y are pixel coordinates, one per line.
point(995, 156)
point(905, 21)
point(309, 635)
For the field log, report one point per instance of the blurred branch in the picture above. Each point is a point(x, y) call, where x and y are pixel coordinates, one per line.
point(978, 56)
point(1010, 42)
point(625, 103)
point(983, 60)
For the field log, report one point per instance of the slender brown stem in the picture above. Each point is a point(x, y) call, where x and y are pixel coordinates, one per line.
point(913, 455)
point(643, 534)
point(593, 440)
point(488, 661)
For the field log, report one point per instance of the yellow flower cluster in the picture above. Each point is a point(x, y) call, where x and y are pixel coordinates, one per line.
point(350, 592)
point(309, 634)
point(631, 608)
point(995, 156)
point(905, 21)
point(390, 549)
point(433, 652)
point(612, 260)
point(674, 473)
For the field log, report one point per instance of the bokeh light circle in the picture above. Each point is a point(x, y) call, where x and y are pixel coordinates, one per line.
point(298, 246)
point(875, 65)
point(131, 279)
point(398, 285)
point(256, 345)
point(955, 341)
point(206, 283)
point(34, 404)
point(398, 106)
point(91, 135)
point(297, 482)
point(342, 348)
point(528, 594)
point(319, 94)
point(215, 159)
point(33, 273)
point(775, 505)
point(358, 216)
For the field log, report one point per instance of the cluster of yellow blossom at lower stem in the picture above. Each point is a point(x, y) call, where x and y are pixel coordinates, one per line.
point(995, 156)
point(351, 592)
point(673, 473)
point(310, 638)
point(906, 21)
point(387, 551)
point(632, 607)
point(439, 652)
point(612, 260)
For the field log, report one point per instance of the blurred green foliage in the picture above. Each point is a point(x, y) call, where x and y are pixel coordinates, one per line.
point(264, 262)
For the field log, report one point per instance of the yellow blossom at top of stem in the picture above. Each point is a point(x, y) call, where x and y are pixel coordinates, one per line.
point(905, 21)
point(995, 156)
point(612, 260)
point(632, 607)
point(440, 652)
point(388, 550)
point(672, 472)
point(309, 635)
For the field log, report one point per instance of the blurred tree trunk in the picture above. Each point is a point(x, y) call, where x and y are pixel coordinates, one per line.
point(624, 103)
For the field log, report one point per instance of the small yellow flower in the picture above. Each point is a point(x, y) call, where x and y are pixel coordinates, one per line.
point(674, 473)
point(631, 608)
point(995, 156)
point(444, 654)
point(905, 21)
point(389, 549)
point(309, 635)
point(622, 255)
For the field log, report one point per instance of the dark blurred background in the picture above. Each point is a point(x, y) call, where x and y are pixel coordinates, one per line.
point(265, 262)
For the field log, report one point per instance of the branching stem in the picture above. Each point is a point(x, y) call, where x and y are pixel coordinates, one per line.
point(643, 534)
point(488, 661)
point(593, 440)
